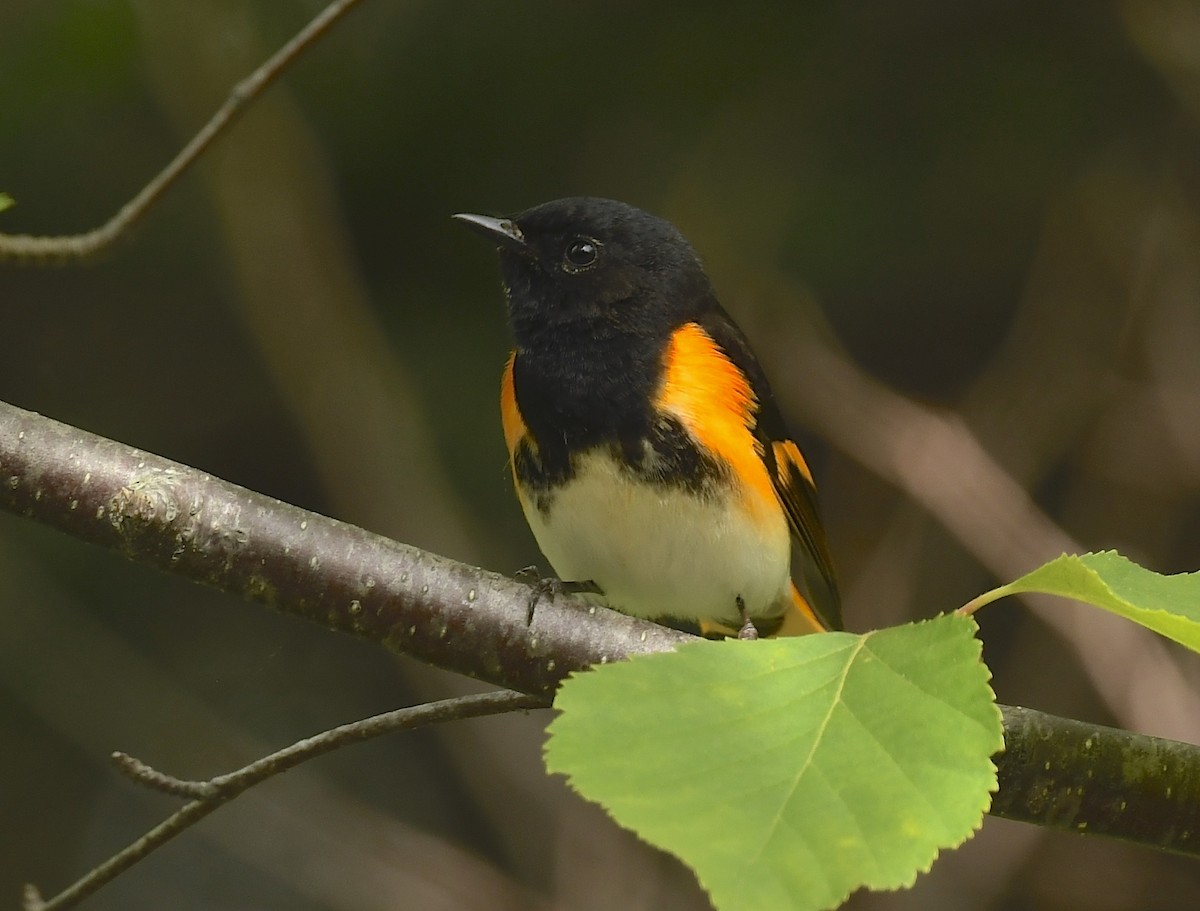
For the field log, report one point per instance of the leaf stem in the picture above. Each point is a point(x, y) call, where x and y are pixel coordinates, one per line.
point(987, 597)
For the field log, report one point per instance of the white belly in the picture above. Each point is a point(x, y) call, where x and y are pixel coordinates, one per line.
point(661, 551)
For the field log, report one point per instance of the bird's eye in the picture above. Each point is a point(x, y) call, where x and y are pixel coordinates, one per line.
point(581, 253)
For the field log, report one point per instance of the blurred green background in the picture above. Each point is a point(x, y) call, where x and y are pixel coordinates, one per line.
point(994, 212)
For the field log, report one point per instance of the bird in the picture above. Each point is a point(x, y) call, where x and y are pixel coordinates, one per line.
point(647, 451)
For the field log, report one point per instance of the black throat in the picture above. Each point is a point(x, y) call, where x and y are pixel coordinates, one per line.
point(601, 396)
point(576, 394)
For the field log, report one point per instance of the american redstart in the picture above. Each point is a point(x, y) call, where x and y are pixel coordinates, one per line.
point(648, 453)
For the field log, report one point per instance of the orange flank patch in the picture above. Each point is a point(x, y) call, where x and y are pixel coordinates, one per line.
point(510, 414)
point(713, 401)
point(788, 452)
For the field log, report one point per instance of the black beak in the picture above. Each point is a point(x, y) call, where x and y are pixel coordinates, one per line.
point(504, 233)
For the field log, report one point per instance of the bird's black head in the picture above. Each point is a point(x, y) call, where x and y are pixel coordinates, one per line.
point(595, 268)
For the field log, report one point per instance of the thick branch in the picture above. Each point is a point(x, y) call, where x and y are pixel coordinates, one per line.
point(1058, 773)
point(182, 520)
point(1087, 778)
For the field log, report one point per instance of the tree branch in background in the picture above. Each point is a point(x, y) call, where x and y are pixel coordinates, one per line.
point(67, 248)
point(207, 796)
point(935, 459)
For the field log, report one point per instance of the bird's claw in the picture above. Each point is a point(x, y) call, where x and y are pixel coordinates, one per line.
point(549, 586)
point(747, 630)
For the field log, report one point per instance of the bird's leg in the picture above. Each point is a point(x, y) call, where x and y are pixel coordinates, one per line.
point(548, 587)
point(748, 630)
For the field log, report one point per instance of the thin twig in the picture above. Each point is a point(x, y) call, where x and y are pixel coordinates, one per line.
point(211, 794)
point(67, 248)
point(134, 768)
point(232, 783)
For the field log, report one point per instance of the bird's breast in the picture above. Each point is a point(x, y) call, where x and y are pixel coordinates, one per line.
point(660, 542)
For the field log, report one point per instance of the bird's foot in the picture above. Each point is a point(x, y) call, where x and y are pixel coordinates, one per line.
point(549, 586)
point(747, 630)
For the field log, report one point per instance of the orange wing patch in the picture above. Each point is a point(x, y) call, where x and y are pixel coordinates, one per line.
point(713, 400)
point(510, 413)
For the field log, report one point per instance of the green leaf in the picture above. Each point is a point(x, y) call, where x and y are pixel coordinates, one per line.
point(1169, 605)
point(6, 201)
point(789, 772)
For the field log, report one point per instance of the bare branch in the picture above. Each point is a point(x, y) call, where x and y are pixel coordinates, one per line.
point(133, 768)
point(207, 796)
point(59, 249)
point(233, 783)
point(185, 521)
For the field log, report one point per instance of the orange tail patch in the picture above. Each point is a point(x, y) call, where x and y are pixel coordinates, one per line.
point(800, 619)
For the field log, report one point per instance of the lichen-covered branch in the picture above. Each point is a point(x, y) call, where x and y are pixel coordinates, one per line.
point(1056, 772)
point(1097, 780)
